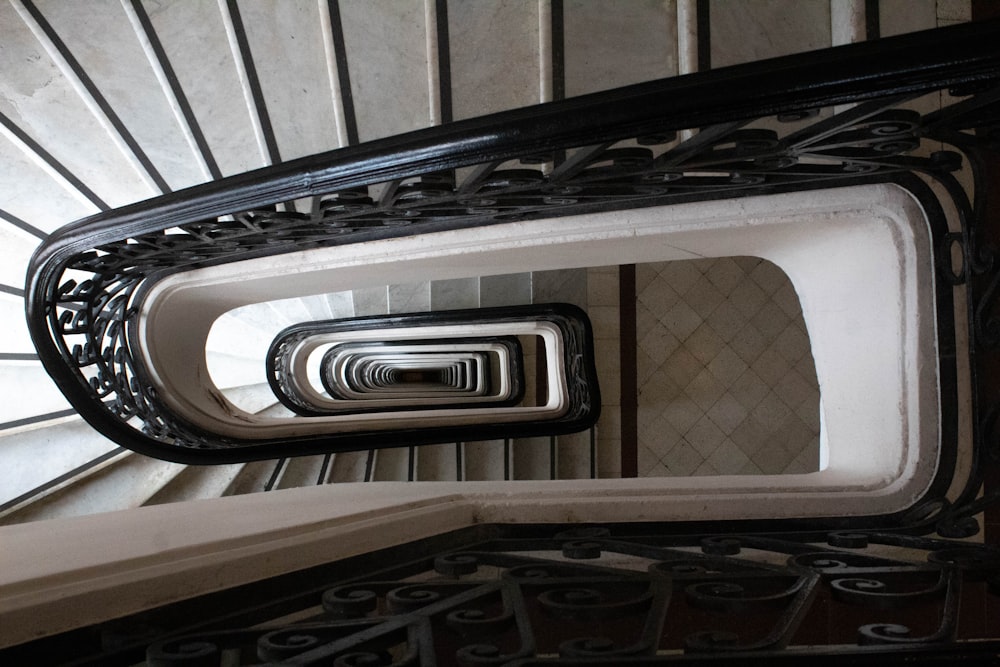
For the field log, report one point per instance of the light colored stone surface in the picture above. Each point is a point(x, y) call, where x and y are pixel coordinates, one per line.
point(901, 16)
point(505, 290)
point(725, 371)
point(26, 390)
point(287, 48)
point(128, 484)
point(436, 463)
point(494, 56)
point(757, 29)
point(455, 294)
point(600, 56)
point(192, 34)
point(100, 37)
point(301, 471)
point(387, 59)
point(14, 333)
point(35, 194)
point(24, 448)
point(410, 298)
point(371, 301)
point(197, 482)
point(40, 100)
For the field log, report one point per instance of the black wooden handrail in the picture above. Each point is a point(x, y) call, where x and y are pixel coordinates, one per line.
point(82, 331)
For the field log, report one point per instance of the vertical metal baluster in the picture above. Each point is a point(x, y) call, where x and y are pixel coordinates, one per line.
point(552, 457)
point(324, 469)
point(370, 466)
point(411, 463)
point(506, 459)
point(593, 453)
point(276, 475)
point(459, 463)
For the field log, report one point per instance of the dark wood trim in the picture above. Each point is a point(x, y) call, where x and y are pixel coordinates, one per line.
point(343, 73)
point(444, 60)
point(703, 27)
point(629, 381)
point(873, 28)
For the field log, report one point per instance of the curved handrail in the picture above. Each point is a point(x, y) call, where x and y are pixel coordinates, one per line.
point(611, 150)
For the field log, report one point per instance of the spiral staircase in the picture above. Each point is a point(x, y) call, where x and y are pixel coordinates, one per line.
point(104, 104)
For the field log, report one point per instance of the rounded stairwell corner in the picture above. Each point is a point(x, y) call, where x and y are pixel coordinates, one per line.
point(121, 305)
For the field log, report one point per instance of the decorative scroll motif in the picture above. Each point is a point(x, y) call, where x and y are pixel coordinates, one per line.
point(629, 596)
point(87, 281)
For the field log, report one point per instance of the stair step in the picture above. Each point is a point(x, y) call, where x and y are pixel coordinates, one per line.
point(455, 294)
point(193, 39)
point(127, 82)
point(386, 45)
point(494, 56)
point(34, 457)
point(237, 334)
point(254, 398)
point(597, 57)
point(392, 465)
point(301, 471)
point(437, 463)
point(484, 460)
point(31, 189)
point(196, 483)
point(252, 478)
point(43, 102)
point(14, 335)
point(26, 390)
point(370, 301)
point(127, 484)
point(349, 467)
point(287, 50)
point(230, 372)
point(409, 298)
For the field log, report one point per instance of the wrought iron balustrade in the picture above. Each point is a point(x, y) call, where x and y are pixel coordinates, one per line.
point(626, 594)
point(766, 127)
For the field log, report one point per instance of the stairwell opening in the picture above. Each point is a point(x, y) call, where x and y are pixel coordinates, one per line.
point(859, 260)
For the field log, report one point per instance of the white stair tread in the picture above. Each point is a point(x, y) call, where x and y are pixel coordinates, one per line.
point(235, 335)
point(128, 483)
point(193, 38)
point(43, 103)
point(288, 54)
point(228, 371)
point(14, 332)
point(26, 390)
point(33, 194)
point(32, 458)
point(197, 482)
point(386, 55)
point(119, 68)
point(494, 56)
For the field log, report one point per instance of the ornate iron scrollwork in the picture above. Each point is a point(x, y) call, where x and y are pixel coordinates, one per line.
point(759, 128)
point(514, 598)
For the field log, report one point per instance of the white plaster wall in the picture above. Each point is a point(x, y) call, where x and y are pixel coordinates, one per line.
point(860, 260)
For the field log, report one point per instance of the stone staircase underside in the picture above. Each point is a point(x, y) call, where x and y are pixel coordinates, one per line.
point(110, 102)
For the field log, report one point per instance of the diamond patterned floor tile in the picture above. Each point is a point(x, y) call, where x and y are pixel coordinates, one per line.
point(727, 384)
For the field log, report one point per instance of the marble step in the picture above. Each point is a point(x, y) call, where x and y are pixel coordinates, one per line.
point(196, 483)
point(26, 391)
point(33, 457)
point(14, 336)
point(130, 482)
point(303, 471)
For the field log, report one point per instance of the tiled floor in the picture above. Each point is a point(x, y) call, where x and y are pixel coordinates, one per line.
point(726, 378)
